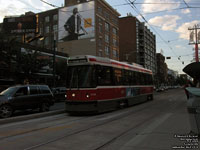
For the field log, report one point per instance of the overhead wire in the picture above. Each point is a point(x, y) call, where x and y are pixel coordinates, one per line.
point(137, 11)
point(169, 40)
point(186, 4)
point(142, 3)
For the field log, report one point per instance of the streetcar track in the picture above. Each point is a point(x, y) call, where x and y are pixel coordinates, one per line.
point(125, 115)
point(35, 130)
point(123, 133)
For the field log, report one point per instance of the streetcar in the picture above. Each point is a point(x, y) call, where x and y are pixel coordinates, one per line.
point(97, 84)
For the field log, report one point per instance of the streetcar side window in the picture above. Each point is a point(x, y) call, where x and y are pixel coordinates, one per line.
point(104, 75)
point(118, 76)
point(134, 79)
point(126, 77)
point(137, 78)
point(150, 79)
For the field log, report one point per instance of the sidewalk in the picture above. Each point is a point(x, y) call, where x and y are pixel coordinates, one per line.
point(170, 132)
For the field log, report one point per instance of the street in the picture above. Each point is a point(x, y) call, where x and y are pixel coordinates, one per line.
point(161, 124)
point(57, 106)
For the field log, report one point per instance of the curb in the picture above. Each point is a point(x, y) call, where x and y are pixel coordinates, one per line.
point(33, 116)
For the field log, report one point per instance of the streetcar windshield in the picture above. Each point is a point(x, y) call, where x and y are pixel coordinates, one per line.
point(81, 77)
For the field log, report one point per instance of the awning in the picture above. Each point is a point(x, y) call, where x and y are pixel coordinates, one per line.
point(193, 70)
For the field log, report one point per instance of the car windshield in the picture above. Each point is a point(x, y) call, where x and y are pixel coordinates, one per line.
point(81, 77)
point(8, 91)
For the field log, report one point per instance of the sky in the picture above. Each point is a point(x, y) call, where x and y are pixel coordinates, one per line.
point(169, 20)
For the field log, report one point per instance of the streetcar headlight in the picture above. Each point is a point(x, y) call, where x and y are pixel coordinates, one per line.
point(65, 95)
point(87, 95)
point(73, 95)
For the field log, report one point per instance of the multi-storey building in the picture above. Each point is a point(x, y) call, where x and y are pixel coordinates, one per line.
point(98, 29)
point(48, 28)
point(161, 69)
point(99, 22)
point(137, 43)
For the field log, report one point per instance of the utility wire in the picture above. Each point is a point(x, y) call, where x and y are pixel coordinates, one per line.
point(128, 3)
point(161, 10)
point(137, 11)
point(169, 41)
point(186, 4)
point(49, 3)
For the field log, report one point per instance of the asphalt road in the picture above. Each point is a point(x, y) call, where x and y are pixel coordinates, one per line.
point(162, 124)
point(57, 106)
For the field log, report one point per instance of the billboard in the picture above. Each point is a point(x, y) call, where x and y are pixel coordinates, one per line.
point(20, 25)
point(76, 22)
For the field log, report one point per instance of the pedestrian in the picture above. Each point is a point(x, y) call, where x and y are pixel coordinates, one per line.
point(188, 84)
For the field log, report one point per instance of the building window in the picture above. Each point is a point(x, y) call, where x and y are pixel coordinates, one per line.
point(106, 15)
point(55, 27)
point(100, 10)
point(100, 20)
point(55, 17)
point(100, 28)
point(107, 26)
point(46, 41)
point(47, 19)
point(107, 38)
point(114, 42)
point(115, 20)
point(115, 53)
point(62, 50)
point(41, 30)
point(114, 31)
point(100, 53)
point(107, 50)
point(100, 42)
point(47, 29)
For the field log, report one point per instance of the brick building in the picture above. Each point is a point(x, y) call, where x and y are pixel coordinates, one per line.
point(48, 27)
point(137, 43)
point(162, 70)
point(102, 39)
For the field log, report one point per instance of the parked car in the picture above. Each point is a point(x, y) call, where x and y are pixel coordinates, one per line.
point(59, 93)
point(160, 89)
point(25, 97)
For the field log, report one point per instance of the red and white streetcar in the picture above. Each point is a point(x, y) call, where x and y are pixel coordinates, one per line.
point(96, 84)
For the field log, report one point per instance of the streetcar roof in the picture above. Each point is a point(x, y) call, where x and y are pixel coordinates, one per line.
point(88, 59)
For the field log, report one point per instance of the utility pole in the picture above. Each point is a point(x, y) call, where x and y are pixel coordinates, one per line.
point(54, 59)
point(195, 39)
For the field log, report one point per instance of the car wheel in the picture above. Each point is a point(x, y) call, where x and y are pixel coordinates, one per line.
point(6, 111)
point(44, 107)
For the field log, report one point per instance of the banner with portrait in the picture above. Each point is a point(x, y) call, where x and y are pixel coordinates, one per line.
point(76, 22)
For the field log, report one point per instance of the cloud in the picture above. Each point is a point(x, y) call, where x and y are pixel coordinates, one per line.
point(183, 29)
point(185, 11)
point(178, 46)
point(166, 22)
point(148, 8)
point(13, 7)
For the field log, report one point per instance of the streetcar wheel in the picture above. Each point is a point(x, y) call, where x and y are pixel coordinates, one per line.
point(150, 97)
point(6, 111)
